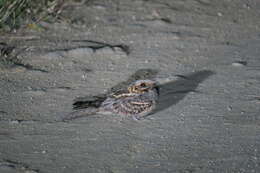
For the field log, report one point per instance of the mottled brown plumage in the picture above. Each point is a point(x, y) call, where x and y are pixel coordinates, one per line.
point(138, 101)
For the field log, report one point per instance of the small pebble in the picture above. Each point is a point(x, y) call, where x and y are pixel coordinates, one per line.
point(147, 61)
point(220, 14)
point(29, 88)
point(246, 6)
point(84, 76)
point(239, 63)
point(15, 122)
point(30, 171)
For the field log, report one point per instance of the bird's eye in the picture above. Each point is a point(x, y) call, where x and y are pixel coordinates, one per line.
point(143, 85)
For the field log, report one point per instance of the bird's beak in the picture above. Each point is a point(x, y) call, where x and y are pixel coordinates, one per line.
point(150, 85)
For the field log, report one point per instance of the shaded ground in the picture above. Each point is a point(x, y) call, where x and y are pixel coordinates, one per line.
point(205, 55)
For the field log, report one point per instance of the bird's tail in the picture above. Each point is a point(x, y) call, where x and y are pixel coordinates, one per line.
point(89, 101)
point(79, 113)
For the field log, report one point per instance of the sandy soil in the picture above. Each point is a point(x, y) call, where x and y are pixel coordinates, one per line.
point(204, 53)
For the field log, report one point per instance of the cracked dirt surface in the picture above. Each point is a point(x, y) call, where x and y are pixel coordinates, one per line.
point(204, 54)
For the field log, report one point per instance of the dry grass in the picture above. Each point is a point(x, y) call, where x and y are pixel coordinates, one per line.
point(15, 13)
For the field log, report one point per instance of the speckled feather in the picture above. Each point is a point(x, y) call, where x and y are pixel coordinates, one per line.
point(138, 104)
point(139, 101)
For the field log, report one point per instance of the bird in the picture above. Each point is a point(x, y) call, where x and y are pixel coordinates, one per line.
point(138, 100)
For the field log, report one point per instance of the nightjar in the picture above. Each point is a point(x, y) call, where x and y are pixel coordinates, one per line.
point(138, 101)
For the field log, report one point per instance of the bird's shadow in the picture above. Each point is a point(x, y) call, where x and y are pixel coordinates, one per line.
point(174, 91)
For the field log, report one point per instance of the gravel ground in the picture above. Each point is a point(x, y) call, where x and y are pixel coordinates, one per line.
point(203, 53)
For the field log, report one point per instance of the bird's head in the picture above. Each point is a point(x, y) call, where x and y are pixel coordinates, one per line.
point(141, 86)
